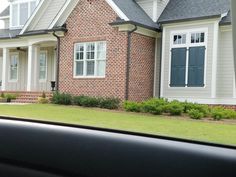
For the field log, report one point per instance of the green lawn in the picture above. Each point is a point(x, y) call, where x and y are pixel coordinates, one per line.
point(159, 125)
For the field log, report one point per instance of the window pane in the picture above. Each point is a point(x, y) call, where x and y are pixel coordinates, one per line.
point(197, 37)
point(13, 67)
point(14, 15)
point(101, 67)
point(202, 37)
point(23, 13)
point(79, 68)
point(180, 39)
point(90, 68)
point(43, 66)
point(32, 6)
point(90, 51)
point(101, 51)
point(193, 38)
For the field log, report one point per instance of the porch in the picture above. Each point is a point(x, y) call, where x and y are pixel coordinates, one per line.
point(29, 68)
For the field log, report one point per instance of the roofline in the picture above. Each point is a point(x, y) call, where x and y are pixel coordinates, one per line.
point(4, 17)
point(38, 32)
point(133, 23)
point(117, 10)
point(32, 16)
point(189, 19)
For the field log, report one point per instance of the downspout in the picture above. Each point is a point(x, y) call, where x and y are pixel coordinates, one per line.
point(160, 69)
point(58, 59)
point(128, 62)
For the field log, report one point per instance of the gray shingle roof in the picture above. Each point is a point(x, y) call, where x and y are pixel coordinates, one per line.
point(178, 10)
point(135, 13)
point(6, 33)
point(5, 12)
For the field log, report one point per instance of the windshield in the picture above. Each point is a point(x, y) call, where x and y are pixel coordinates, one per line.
point(157, 70)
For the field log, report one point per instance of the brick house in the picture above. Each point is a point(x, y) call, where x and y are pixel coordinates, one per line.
point(133, 49)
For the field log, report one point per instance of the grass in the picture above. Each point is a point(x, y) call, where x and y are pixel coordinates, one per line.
point(189, 129)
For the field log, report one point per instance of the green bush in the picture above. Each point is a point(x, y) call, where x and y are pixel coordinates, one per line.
point(195, 114)
point(230, 114)
point(154, 106)
point(42, 100)
point(131, 106)
point(87, 101)
point(62, 98)
point(109, 103)
point(175, 108)
point(205, 109)
point(10, 96)
point(218, 113)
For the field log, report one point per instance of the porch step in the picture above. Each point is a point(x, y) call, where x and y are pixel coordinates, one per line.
point(29, 97)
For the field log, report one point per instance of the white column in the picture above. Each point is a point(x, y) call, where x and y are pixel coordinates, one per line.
point(4, 68)
point(30, 68)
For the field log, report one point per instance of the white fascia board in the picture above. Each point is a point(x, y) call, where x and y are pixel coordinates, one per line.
point(32, 16)
point(4, 17)
point(117, 10)
point(59, 14)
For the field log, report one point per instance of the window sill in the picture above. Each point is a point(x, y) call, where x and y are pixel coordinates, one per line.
point(89, 77)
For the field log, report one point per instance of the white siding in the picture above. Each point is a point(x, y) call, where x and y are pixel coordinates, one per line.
point(147, 6)
point(46, 15)
point(161, 4)
point(198, 93)
point(225, 66)
point(0, 71)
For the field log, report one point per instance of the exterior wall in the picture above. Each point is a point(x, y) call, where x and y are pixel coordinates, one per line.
point(187, 93)
point(225, 66)
point(0, 71)
point(90, 22)
point(161, 4)
point(141, 67)
point(147, 6)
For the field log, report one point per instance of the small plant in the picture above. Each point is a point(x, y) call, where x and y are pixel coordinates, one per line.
point(2, 95)
point(175, 108)
point(42, 100)
point(62, 98)
point(131, 106)
point(230, 114)
point(154, 106)
point(43, 95)
point(10, 97)
point(109, 103)
point(86, 101)
point(218, 113)
point(195, 114)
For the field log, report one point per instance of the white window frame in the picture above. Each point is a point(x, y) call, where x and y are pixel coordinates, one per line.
point(188, 45)
point(18, 26)
point(85, 60)
point(18, 64)
point(46, 67)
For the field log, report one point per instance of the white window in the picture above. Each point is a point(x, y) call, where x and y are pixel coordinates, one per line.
point(179, 39)
point(14, 62)
point(90, 59)
point(21, 11)
point(43, 66)
point(197, 38)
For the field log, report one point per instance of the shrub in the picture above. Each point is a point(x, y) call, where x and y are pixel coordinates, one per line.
point(230, 114)
point(175, 108)
point(109, 103)
point(131, 106)
point(10, 97)
point(62, 98)
point(42, 100)
point(44, 95)
point(154, 106)
point(218, 113)
point(86, 101)
point(2, 95)
point(205, 109)
point(195, 114)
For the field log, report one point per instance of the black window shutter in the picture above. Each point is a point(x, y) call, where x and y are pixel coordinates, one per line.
point(196, 67)
point(178, 67)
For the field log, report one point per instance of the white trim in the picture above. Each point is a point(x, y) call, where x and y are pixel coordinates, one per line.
point(9, 67)
point(59, 14)
point(30, 63)
point(32, 16)
point(4, 17)
point(213, 101)
point(84, 76)
point(187, 45)
point(4, 68)
point(214, 59)
point(162, 62)
point(46, 74)
point(154, 14)
point(117, 10)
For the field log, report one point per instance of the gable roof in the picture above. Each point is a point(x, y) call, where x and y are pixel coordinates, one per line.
point(5, 12)
point(180, 10)
point(135, 13)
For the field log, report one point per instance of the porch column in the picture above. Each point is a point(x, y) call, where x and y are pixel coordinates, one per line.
point(4, 68)
point(30, 73)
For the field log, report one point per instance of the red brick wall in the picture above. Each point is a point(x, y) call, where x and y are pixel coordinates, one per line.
point(90, 22)
point(142, 67)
